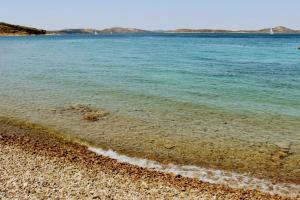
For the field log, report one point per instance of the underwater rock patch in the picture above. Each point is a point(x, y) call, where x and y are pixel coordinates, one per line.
point(94, 116)
point(278, 155)
point(87, 112)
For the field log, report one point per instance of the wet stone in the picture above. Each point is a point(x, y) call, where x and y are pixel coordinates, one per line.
point(283, 145)
point(169, 146)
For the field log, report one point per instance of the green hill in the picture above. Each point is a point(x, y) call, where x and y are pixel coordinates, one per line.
point(14, 30)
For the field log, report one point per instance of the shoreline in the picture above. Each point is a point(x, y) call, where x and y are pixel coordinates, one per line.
point(135, 137)
point(39, 142)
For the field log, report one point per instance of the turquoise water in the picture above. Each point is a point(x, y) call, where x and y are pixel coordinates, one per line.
point(254, 73)
point(214, 100)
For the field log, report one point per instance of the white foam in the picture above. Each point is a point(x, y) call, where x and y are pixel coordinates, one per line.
point(231, 179)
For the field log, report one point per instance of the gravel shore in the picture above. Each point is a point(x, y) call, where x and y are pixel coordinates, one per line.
point(38, 165)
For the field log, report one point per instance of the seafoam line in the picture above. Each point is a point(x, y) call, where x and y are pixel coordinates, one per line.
point(231, 179)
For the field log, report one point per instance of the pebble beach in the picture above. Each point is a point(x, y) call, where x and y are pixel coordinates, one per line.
point(39, 165)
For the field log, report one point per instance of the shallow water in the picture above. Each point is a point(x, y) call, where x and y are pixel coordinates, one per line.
point(218, 101)
point(231, 179)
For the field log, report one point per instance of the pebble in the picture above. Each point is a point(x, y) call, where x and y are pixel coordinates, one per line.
point(40, 168)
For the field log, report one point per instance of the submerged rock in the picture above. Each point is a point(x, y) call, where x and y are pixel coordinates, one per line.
point(278, 155)
point(81, 108)
point(283, 145)
point(94, 116)
point(87, 112)
point(169, 145)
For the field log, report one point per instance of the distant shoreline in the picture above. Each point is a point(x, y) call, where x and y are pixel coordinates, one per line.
point(17, 30)
point(153, 33)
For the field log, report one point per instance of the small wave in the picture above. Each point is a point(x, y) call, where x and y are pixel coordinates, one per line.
point(231, 179)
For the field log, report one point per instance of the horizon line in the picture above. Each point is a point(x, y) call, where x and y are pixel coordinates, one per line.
point(159, 29)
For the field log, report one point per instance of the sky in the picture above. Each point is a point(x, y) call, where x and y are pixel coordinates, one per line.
point(152, 14)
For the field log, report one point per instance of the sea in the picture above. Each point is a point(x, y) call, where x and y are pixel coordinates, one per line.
point(224, 108)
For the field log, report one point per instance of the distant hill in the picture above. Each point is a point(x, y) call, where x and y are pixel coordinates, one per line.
point(115, 30)
point(73, 31)
point(278, 30)
point(123, 30)
point(184, 30)
point(120, 30)
point(11, 30)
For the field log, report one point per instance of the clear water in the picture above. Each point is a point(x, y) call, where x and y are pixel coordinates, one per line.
point(254, 73)
point(213, 100)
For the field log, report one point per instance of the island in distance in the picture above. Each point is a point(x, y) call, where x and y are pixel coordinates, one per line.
point(116, 30)
point(120, 30)
point(278, 30)
point(15, 30)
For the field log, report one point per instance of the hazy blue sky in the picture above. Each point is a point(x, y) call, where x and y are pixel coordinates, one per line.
point(152, 14)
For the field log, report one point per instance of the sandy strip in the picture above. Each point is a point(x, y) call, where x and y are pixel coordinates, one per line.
point(37, 165)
